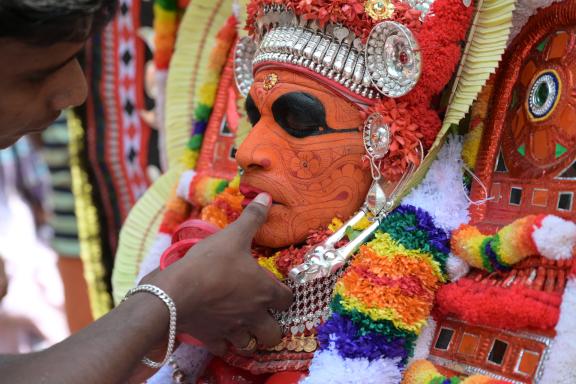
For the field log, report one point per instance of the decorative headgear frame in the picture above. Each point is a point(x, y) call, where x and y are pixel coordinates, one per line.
point(388, 63)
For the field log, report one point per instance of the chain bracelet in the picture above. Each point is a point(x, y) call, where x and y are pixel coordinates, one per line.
point(172, 329)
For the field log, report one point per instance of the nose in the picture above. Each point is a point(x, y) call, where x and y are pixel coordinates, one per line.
point(69, 87)
point(255, 151)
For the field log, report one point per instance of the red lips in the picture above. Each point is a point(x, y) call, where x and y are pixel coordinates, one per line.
point(249, 193)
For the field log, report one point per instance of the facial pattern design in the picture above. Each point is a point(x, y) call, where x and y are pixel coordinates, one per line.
point(306, 150)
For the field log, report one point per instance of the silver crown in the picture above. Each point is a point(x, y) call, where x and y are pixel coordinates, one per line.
point(389, 64)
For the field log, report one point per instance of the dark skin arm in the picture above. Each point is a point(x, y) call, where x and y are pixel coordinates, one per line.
point(221, 294)
point(105, 352)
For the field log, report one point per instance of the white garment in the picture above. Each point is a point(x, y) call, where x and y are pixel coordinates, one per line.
point(31, 314)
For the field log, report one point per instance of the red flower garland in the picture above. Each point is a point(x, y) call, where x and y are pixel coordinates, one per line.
point(440, 44)
point(349, 13)
point(409, 124)
point(513, 308)
point(290, 257)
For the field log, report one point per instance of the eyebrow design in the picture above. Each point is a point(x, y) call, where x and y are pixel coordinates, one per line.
point(252, 110)
point(298, 113)
point(301, 115)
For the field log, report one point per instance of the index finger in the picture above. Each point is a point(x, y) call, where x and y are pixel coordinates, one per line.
point(280, 296)
point(253, 216)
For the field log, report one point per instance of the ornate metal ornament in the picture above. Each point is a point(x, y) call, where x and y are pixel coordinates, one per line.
point(422, 5)
point(543, 95)
point(243, 55)
point(393, 59)
point(294, 343)
point(376, 136)
point(270, 81)
point(324, 260)
point(376, 199)
point(389, 63)
point(332, 51)
point(379, 9)
point(310, 307)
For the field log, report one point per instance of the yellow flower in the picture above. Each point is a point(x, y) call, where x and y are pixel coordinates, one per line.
point(335, 225)
point(269, 263)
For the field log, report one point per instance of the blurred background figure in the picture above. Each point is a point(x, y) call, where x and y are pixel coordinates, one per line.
point(31, 312)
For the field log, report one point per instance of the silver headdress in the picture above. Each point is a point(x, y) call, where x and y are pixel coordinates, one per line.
point(388, 64)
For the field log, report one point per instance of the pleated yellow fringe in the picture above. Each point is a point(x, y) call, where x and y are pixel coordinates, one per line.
point(139, 231)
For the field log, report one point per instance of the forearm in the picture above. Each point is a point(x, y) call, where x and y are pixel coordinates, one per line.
point(105, 352)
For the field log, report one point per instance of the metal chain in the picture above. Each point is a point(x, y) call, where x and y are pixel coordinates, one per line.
point(149, 288)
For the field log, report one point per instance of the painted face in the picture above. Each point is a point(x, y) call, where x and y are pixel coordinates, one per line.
point(305, 150)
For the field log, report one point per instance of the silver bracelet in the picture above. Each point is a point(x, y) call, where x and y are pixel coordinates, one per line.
point(172, 330)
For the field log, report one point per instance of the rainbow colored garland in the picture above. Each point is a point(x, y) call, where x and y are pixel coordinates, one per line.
point(511, 305)
point(383, 300)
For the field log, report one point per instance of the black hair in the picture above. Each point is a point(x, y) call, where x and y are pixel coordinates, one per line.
point(46, 22)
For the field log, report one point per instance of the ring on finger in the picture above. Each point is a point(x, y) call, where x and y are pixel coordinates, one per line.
point(250, 346)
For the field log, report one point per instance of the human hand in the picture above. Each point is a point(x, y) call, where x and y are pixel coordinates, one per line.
point(221, 292)
point(3, 280)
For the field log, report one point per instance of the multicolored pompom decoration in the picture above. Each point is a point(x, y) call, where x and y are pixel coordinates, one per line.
point(424, 372)
point(546, 235)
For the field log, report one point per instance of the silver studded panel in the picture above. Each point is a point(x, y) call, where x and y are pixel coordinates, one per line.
point(243, 55)
point(311, 304)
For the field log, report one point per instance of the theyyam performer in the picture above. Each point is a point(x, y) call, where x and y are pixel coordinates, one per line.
point(349, 103)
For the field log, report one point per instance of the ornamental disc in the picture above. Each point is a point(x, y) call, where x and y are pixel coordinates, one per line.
point(393, 59)
point(376, 136)
point(543, 95)
point(243, 56)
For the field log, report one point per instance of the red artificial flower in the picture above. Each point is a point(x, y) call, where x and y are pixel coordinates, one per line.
point(405, 123)
point(349, 13)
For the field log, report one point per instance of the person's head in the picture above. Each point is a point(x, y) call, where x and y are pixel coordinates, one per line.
point(329, 83)
point(39, 73)
point(305, 149)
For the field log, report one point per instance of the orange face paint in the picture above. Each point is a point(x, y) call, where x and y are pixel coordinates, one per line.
point(311, 176)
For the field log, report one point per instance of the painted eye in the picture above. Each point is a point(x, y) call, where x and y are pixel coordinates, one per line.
point(543, 95)
point(252, 111)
